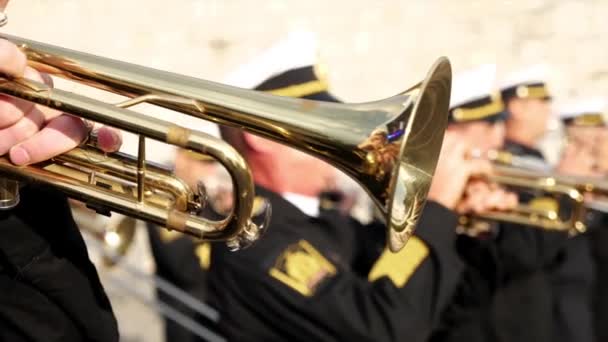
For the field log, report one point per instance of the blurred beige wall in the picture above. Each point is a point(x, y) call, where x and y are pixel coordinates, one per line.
point(372, 48)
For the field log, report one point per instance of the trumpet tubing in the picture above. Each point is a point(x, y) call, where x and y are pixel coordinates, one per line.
point(532, 175)
point(390, 147)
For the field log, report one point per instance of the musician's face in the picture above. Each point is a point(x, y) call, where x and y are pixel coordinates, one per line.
point(482, 135)
point(315, 174)
point(602, 151)
point(536, 114)
point(584, 137)
point(593, 139)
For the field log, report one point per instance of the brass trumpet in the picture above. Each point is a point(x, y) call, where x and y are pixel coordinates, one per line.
point(533, 175)
point(115, 238)
point(390, 146)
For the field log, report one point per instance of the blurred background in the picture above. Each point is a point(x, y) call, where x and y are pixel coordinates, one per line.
point(372, 49)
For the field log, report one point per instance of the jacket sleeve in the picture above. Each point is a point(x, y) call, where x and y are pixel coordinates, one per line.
point(43, 253)
point(345, 306)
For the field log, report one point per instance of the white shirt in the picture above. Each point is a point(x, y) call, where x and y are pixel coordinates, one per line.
point(307, 204)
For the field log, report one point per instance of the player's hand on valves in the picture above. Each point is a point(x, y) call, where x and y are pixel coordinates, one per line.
point(459, 182)
point(30, 133)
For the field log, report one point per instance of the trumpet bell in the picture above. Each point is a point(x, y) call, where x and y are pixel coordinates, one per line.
point(411, 176)
point(390, 147)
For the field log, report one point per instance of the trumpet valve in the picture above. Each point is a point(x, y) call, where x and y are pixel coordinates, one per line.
point(246, 238)
point(203, 196)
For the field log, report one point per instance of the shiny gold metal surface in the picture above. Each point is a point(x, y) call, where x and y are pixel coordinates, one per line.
point(116, 238)
point(531, 175)
point(390, 146)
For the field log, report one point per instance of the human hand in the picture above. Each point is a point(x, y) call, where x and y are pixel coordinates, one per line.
point(577, 160)
point(482, 196)
point(31, 133)
point(454, 170)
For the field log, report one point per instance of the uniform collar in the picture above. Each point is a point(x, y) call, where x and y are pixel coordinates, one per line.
point(284, 211)
point(307, 204)
point(522, 150)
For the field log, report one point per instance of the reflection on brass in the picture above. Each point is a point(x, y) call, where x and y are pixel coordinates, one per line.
point(381, 154)
point(400, 136)
point(178, 136)
point(544, 212)
point(115, 238)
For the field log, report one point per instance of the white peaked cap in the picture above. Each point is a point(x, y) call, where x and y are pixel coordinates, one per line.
point(576, 107)
point(473, 84)
point(299, 49)
point(536, 73)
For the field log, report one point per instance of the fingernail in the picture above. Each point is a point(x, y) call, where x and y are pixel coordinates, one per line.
point(108, 140)
point(19, 156)
point(116, 140)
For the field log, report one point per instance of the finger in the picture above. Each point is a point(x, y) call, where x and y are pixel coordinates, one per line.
point(475, 200)
point(109, 139)
point(22, 130)
point(512, 200)
point(475, 190)
point(13, 109)
point(480, 167)
point(33, 74)
point(482, 204)
point(462, 207)
point(496, 199)
point(476, 185)
point(504, 200)
point(494, 186)
point(12, 60)
point(501, 200)
point(60, 135)
point(489, 199)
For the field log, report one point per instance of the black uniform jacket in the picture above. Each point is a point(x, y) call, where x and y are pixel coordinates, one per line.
point(570, 276)
point(526, 284)
point(304, 281)
point(598, 238)
point(49, 289)
point(545, 282)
